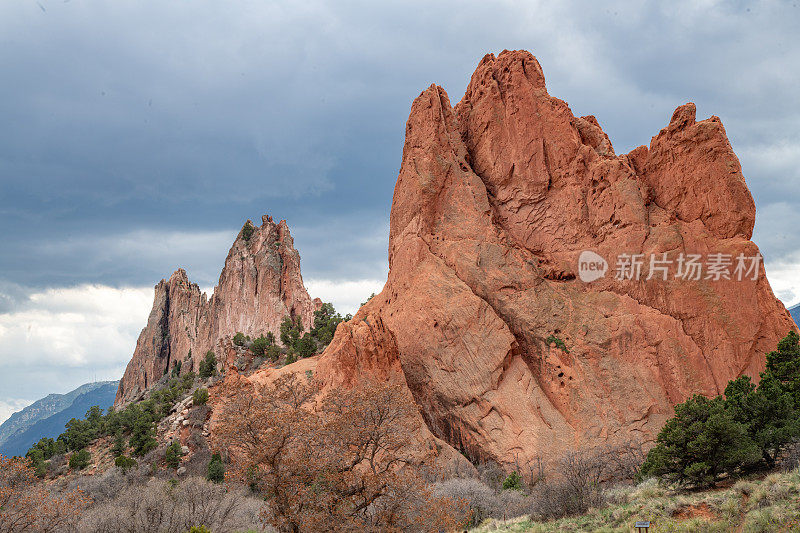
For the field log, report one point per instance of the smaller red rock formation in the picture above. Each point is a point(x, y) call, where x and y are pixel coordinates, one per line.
point(259, 286)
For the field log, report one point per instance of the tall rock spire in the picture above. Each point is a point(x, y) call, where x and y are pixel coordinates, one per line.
point(259, 286)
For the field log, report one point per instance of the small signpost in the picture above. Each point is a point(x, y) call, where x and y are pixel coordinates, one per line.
point(642, 527)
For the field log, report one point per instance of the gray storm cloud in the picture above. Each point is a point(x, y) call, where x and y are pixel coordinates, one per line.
point(137, 136)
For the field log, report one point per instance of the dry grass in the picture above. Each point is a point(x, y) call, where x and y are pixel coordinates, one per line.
point(749, 506)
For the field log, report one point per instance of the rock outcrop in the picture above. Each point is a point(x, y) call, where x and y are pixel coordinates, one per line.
point(259, 286)
point(484, 316)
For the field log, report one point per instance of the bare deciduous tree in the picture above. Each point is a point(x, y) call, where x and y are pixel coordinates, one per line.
point(27, 505)
point(158, 505)
point(330, 465)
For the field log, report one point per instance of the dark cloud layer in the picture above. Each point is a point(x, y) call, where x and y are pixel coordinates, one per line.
point(137, 136)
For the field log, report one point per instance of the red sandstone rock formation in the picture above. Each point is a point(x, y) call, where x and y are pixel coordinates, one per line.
point(495, 200)
point(259, 286)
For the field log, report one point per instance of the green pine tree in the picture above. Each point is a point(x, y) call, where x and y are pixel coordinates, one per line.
point(173, 454)
point(216, 469)
point(700, 443)
point(143, 435)
point(783, 365)
point(768, 411)
point(208, 366)
point(119, 444)
point(80, 459)
point(513, 482)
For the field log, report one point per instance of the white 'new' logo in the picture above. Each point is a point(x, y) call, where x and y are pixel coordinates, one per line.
point(591, 266)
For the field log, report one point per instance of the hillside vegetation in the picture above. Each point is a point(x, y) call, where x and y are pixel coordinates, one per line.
point(731, 441)
point(282, 458)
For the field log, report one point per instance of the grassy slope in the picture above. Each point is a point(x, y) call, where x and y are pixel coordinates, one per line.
point(750, 506)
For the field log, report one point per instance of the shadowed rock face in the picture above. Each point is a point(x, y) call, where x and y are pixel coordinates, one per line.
point(259, 286)
point(496, 199)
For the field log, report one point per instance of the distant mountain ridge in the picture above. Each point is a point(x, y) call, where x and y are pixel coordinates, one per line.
point(46, 417)
point(43, 408)
point(795, 312)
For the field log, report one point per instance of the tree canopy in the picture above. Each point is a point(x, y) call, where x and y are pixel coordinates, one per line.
point(336, 462)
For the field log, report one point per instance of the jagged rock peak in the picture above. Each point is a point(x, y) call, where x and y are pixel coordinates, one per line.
point(259, 286)
point(507, 352)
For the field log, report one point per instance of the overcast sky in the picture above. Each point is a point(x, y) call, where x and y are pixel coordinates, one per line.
point(137, 136)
